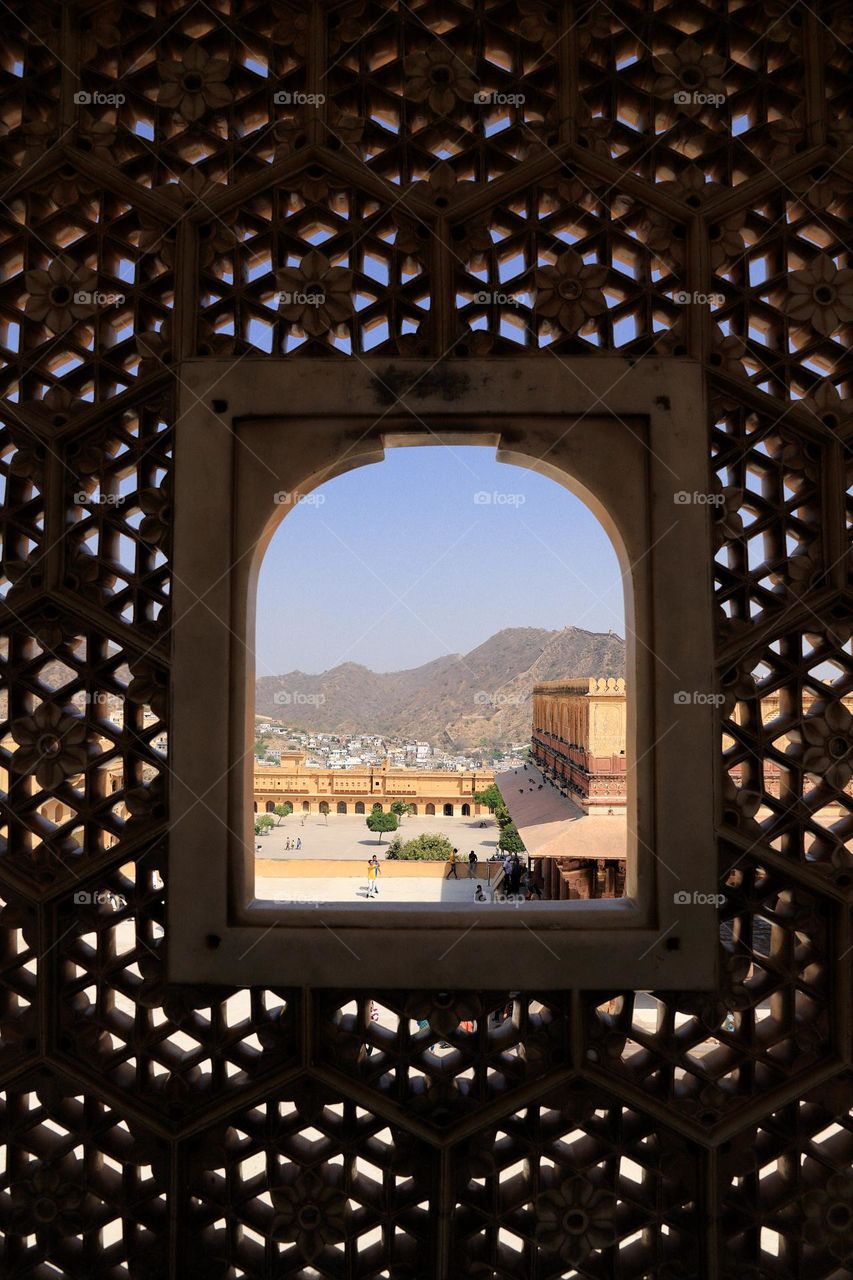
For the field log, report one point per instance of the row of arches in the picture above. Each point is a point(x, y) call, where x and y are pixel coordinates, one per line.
point(448, 810)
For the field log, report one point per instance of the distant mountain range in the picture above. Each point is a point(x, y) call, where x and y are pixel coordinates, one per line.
point(458, 701)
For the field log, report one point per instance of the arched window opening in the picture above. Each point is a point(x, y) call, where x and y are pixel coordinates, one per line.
point(524, 714)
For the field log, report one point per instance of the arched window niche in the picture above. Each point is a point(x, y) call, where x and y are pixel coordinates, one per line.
point(623, 439)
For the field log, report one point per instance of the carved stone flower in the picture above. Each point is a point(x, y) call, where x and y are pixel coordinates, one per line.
point(444, 1011)
point(61, 295)
point(149, 687)
point(785, 136)
point(86, 574)
point(821, 186)
point(783, 22)
point(825, 743)
point(155, 350)
point(725, 239)
point(309, 1212)
point(728, 522)
point(828, 407)
point(537, 24)
point(727, 353)
point(57, 407)
point(49, 1201)
point(156, 506)
point(146, 804)
point(738, 683)
point(71, 186)
point(348, 129)
point(691, 187)
point(97, 138)
point(52, 629)
point(439, 77)
point(321, 294)
point(828, 1217)
point(801, 571)
point(690, 71)
point(740, 805)
point(28, 460)
point(569, 293)
point(290, 134)
point(291, 29)
point(470, 242)
point(574, 1218)
point(51, 744)
point(820, 295)
point(194, 84)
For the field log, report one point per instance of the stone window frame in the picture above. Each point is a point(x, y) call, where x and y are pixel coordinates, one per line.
point(626, 437)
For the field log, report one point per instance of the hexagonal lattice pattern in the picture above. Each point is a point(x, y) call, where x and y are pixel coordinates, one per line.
point(346, 177)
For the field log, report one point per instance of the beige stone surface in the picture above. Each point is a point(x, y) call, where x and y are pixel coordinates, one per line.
point(552, 826)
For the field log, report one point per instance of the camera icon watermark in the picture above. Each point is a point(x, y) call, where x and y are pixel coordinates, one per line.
point(694, 97)
point(96, 698)
point(294, 98)
point(682, 898)
point(494, 98)
point(682, 498)
point(483, 498)
point(100, 898)
point(82, 499)
point(85, 98)
point(86, 298)
point(684, 298)
point(286, 299)
point(286, 498)
point(492, 298)
point(296, 698)
point(698, 698)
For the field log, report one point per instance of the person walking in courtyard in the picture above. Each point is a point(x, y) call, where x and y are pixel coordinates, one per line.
point(472, 865)
point(373, 874)
point(514, 875)
point(451, 866)
point(299, 842)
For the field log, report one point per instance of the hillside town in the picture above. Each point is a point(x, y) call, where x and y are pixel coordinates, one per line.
point(349, 751)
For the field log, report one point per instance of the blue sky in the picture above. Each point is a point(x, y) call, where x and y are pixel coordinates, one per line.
point(399, 564)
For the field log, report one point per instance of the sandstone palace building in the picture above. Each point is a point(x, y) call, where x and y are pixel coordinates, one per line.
point(360, 790)
point(578, 740)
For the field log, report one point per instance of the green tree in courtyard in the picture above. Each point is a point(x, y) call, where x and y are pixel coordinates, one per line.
point(324, 809)
point(510, 841)
point(380, 822)
point(490, 797)
point(263, 824)
point(282, 810)
point(400, 808)
point(427, 847)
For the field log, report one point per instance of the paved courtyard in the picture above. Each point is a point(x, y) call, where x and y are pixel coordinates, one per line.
point(345, 835)
point(308, 891)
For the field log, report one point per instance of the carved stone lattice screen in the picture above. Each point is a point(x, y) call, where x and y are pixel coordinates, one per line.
point(466, 177)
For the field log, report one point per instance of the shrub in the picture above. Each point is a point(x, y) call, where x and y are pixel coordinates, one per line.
point(428, 847)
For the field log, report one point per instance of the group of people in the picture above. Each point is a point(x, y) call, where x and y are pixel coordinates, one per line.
point(297, 844)
point(519, 879)
point(452, 873)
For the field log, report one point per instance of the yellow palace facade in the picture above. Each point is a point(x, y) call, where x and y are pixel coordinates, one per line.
point(361, 789)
